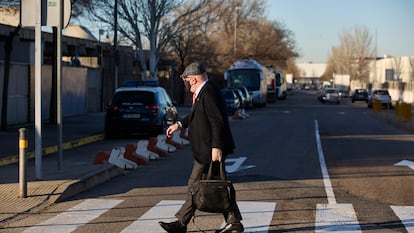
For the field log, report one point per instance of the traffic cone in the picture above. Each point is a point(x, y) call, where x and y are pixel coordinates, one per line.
point(131, 154)
point(152, 146)
point(117, 158)
point(237, 116)
point(171, 141)
point(102, 157)
point(162, 144)
point(143, 151)
point(178, 139)
point(184, 134)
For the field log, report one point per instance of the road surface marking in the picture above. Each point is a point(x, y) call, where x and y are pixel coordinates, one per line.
point(237, 164)
point(332, 217)
point(404, 163)
point(406, 215)
point(74, 217)
point(163, 211)
point(257, 216)
point(336, 218)
point(325, 175)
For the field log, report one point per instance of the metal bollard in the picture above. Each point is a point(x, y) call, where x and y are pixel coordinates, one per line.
point(23, 145)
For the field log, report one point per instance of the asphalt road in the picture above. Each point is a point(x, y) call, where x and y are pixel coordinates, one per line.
point(361, 189)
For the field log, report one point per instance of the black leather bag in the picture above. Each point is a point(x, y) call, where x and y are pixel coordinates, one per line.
point(214, 195)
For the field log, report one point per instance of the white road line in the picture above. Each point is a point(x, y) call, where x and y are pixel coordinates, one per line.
point(336, 218)
point(257, 216)
point(74, 217)
point(325, 175)
point(163, 211)
point(406, 215)
point(332, 217)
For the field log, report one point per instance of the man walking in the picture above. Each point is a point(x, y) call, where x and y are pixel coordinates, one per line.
point(210, 139)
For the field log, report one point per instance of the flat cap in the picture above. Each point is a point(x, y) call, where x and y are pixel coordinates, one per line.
point(194, 68)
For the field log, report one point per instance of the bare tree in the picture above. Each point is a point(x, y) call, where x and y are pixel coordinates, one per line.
point(152, 20)
point(190, 35)
point(351, 56)
point(243, 32)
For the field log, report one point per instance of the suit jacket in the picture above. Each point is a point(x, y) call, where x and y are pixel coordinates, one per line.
point(208, 125)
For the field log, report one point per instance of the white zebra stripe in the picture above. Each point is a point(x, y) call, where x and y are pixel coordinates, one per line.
point(257, 216)
point(163, 211)
point(406, 215)
point(74, 217)
point(336, 218)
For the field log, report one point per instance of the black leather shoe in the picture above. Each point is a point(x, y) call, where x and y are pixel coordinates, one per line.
point(174, 227)
point(232, 228)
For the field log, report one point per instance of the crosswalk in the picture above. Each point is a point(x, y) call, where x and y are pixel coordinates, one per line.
point(257, 217)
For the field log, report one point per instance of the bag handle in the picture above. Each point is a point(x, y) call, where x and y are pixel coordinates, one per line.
point(221, 170)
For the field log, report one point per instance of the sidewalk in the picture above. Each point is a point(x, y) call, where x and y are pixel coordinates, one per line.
point(82, 139)
point(77, 173)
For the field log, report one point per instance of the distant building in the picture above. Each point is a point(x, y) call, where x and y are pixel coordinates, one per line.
point(392, 69)
point(309, 74)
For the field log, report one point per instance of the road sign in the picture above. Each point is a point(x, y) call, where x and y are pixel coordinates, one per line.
point(52, 12)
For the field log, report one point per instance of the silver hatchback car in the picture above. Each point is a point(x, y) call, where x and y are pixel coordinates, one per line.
point(380, 95)
point(330, 95)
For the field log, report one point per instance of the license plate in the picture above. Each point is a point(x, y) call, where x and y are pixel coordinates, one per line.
point(129, 116)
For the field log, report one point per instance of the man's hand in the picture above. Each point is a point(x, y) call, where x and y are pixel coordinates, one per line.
point(172, 129)
point(216, 154)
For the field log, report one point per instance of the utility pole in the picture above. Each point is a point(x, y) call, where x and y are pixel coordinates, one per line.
point(38, 90)
point(115, 48)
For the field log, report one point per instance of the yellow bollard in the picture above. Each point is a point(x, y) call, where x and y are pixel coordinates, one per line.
point(23, 145)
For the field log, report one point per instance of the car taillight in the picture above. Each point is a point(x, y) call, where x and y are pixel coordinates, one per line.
point(112, 108)
point(152, 107)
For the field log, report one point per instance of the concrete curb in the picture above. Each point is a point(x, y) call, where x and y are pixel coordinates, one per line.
point(75, 187)
point(53, 149)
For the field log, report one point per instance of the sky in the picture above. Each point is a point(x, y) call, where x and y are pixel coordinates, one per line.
point(317, 24)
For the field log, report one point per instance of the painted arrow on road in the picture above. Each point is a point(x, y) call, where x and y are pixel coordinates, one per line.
point(237, 164)
point(404, 163)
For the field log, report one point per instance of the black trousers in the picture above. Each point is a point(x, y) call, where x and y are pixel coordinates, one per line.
point(186, 212)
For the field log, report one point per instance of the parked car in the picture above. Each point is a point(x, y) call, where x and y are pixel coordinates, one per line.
point(329, 95)
point(248, 97)
point(231, 99)
point(242, 99)
point(381, 95)
point(139, 110)
point(360, 94)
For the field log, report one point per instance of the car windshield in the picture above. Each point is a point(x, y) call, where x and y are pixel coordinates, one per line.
point(330, 91)
point(133, 97)
point(381, 92)
point(250, 78)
